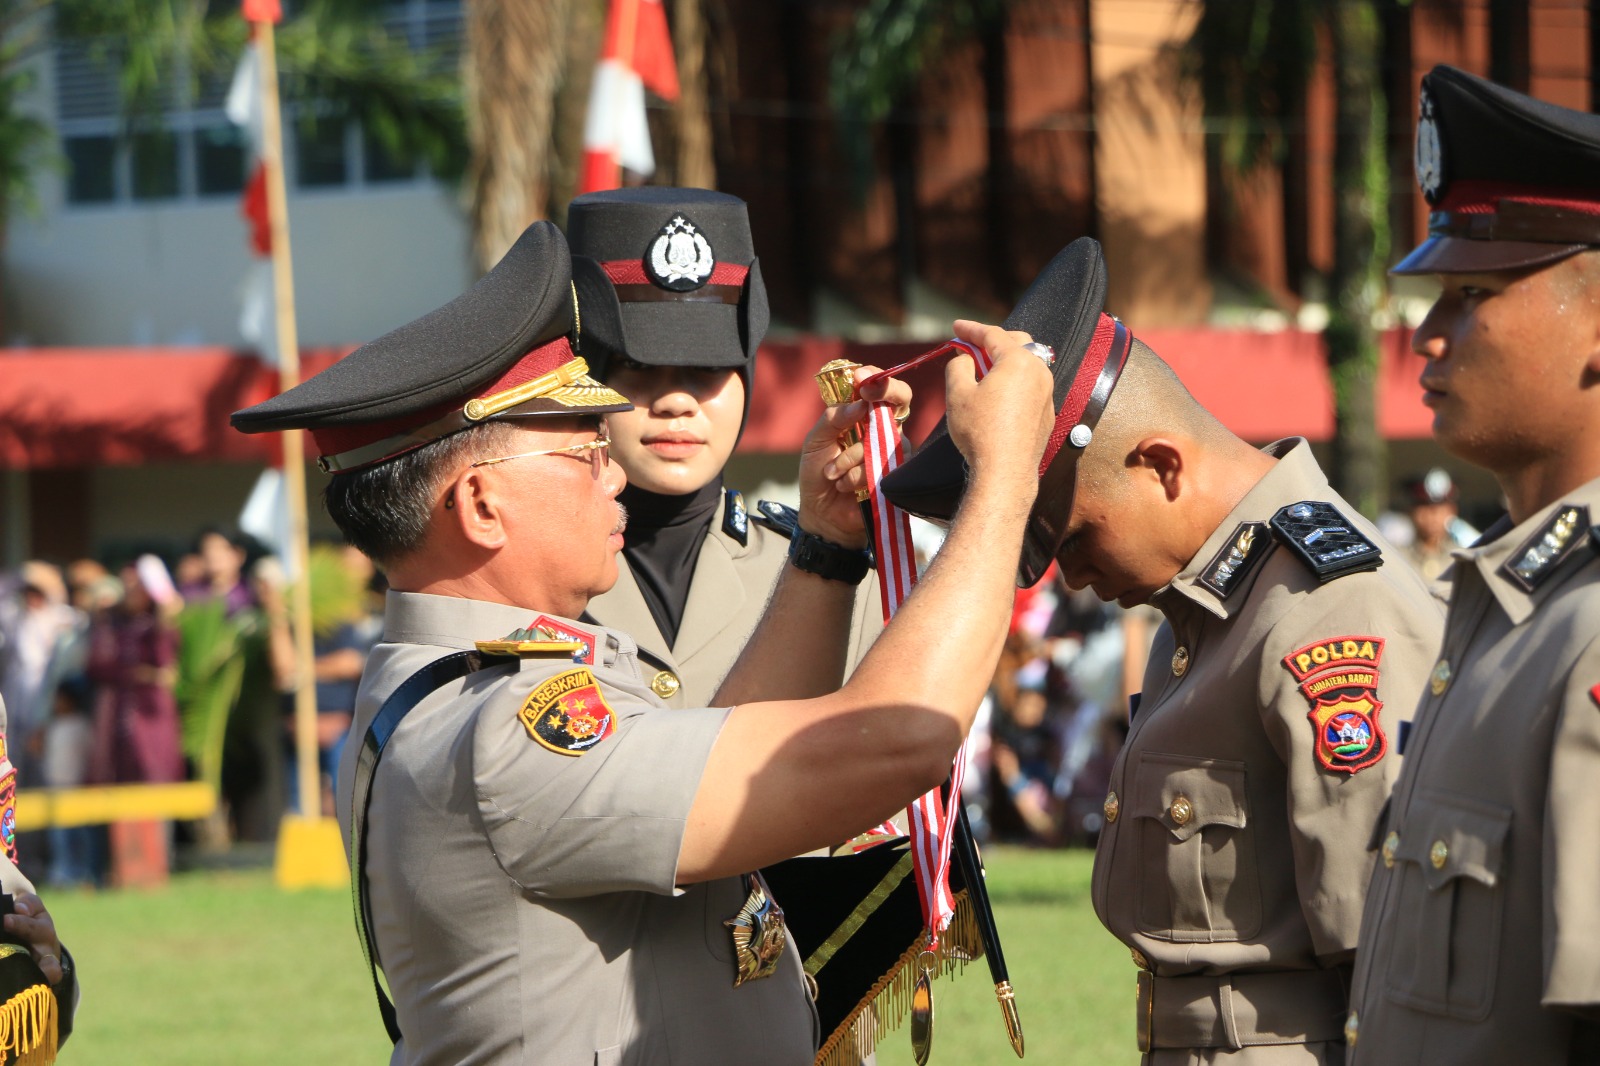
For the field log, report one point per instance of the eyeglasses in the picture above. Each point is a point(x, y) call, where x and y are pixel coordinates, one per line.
point(596, 453)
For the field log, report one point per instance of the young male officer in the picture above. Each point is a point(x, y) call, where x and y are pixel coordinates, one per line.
point(1481, 942)
point(672, 313)
point(1231, 862)
point(553, 867)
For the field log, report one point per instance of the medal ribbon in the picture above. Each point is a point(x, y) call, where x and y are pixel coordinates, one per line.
point(930, 814)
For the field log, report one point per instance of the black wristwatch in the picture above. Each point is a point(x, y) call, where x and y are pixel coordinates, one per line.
point(814, 555)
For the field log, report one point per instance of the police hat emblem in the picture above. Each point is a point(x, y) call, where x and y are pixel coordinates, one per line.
point(1430, 151)
point(680, 258)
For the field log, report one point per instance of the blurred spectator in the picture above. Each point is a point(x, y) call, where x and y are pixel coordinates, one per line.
point(68, 741)
point(222, 567)
point(35, 623)
point(133, 652)
point(1026, 750)
point(1437, 526)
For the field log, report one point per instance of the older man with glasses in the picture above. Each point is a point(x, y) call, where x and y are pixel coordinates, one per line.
point(550, 866)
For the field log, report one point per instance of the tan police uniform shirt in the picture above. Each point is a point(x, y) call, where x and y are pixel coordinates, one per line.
point(523, 897)
point(731, 586)
point(1482, 932)
point(1232, 861)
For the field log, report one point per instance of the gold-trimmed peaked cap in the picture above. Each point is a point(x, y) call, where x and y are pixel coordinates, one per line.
point(502, 349)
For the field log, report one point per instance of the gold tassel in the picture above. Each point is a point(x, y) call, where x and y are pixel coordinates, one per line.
point(883, 1009)
point(28, 1027)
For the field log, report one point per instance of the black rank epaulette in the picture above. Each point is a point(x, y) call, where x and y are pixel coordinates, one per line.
point(1551, 543)
point(1325, 540)
point(735, 522)
point(778, 517)
point(1247, 545)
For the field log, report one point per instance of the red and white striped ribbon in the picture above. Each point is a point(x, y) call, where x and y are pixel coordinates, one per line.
point(930, 814)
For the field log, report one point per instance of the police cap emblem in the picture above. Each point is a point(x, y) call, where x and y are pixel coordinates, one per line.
point(680, 258)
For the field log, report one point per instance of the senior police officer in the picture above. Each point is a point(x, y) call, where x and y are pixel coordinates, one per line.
point(1481, 942)
point(552, 866)
point(673, 312)
point(1231, 862)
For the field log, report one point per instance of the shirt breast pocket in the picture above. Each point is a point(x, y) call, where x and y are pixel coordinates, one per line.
point(1198, 882)
point(1451, 854)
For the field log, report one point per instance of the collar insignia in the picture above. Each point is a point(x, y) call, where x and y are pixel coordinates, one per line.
point(1541, 553)
point(680, 258)
point(758, 933)
point(1247, 546)
point(1325, 540)
point(735, 522)
point(567, 713)
point(1430, 151)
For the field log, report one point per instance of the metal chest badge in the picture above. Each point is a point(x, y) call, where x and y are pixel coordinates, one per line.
point(1340, 678)
point(758, 933)
point(680, 258)
point(567, 713)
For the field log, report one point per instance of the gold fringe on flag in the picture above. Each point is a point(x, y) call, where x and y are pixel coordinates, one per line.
point(28, 1027)
point(883, 1009)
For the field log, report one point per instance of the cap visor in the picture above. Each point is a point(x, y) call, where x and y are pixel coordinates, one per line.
point(1460, 255)
point(682, 333)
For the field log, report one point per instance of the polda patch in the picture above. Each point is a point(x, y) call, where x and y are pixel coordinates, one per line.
point(567, 713)
point(1339, 677)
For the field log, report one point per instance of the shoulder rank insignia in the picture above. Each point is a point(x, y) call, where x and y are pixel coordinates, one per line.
point(1340, 678)
point(735, 523)
point(779, 517)
point(1541, 553)
point(1325, 540)
point(528, 644)
point(567, 713)
point(1247, 546)
point(546, 628)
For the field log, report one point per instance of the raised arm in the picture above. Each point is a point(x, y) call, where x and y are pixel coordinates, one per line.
point(786, 777)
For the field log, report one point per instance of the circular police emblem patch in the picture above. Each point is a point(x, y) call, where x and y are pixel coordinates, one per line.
point(1430, 152)
point(680, 258)
point(567, 713)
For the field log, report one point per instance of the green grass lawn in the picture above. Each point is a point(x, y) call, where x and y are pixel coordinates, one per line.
point(224, 968)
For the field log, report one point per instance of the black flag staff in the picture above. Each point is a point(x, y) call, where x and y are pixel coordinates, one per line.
point(836, 382)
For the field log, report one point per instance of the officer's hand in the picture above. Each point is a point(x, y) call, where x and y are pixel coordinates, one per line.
point(32, 924)
point(1000, 424)
point(831, 473)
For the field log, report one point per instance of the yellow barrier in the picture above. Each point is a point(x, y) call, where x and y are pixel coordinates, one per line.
point(50, 808)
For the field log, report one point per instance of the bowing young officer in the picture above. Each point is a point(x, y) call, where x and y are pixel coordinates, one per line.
point(1481, 942)
point(1232, 861)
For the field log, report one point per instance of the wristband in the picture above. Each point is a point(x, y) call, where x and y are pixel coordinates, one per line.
point(814, 555)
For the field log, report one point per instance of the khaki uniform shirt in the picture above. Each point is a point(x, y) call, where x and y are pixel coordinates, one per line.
point(523, 897)
point(1237, 819)
point(1483, 922)
point(732, 583)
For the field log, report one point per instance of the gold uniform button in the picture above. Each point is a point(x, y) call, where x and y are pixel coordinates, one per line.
point(1441, 677)
point(1180, 662)
point(665, 684)
point(1391, 844)
point(1112, 807)
point(1181, 810)
point(1439, 854)
point(1139, 960)
point(1352, 1027)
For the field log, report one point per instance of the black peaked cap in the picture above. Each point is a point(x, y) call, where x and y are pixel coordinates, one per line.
point(1062, 308)
point(673, 319)
point(525, 301)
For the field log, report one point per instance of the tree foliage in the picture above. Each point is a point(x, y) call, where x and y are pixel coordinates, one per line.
point(25, 140)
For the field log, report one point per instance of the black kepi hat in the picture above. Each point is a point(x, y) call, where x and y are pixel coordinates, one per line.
point(1062, 308)
point(667, 277)
point(1512, 181)
point(500, 350)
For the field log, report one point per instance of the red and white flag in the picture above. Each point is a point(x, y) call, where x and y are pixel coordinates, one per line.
point(636, 55)
point(243, 108)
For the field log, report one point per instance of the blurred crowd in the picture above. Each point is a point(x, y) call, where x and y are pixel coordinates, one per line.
point(157, 670)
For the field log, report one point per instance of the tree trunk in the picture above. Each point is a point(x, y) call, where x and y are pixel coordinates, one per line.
point(513, 66)
point(1361, 248)
point(693, 162)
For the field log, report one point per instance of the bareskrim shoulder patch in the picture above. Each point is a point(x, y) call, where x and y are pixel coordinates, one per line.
point(1541, 553)
point(1325, 540)
point(1339, 676)
point(567, 713)
point(680, 258)
point(1247, 545)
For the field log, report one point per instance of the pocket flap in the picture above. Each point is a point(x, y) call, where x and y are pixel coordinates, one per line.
point(1450, 836)
point(1187, 794)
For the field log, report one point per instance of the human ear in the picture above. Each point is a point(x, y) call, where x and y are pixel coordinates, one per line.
point(1163, 457)
point(477, 509)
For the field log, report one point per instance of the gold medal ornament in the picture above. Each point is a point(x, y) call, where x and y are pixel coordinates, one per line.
point(758, 933)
